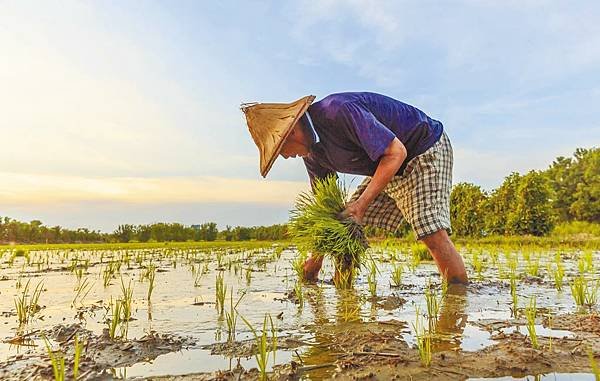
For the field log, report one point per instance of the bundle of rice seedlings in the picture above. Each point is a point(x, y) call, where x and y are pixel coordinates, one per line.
point(317, 226)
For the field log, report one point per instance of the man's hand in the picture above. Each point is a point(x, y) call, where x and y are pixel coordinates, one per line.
point(355, 210)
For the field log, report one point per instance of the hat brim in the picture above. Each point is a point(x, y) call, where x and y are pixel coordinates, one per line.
point(270, 146)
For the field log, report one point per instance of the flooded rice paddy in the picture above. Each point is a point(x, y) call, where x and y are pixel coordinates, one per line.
point(239, 312)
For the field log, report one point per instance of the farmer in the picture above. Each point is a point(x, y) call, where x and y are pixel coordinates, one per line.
point(405, 154)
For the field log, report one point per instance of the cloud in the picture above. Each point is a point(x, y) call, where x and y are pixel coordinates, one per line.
point(27, 189)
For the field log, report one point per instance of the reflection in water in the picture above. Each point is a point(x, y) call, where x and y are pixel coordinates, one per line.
point(348, 306)
point(347, 311)
point(450, 326)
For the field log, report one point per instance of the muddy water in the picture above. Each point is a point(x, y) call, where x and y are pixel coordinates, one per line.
point(317, 335)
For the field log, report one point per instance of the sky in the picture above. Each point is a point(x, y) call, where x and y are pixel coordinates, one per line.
point(118, 112)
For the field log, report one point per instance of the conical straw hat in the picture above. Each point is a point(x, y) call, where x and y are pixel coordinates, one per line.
point(270, 124)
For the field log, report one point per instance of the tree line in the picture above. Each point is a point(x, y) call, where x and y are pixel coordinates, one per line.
point(12, 230)
point(532, 203)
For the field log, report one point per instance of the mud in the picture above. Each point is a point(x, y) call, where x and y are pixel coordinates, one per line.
point(100, 353)
point(178, 333)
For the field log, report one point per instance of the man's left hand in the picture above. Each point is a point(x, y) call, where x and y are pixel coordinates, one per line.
point(354, 210)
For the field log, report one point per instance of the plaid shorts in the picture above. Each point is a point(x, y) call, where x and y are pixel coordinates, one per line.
point(421, 195)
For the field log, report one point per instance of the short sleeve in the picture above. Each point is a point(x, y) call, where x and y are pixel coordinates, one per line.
point(366, 130)
point(316, 171)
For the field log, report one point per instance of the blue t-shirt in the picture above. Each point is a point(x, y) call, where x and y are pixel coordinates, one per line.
point(354, 129)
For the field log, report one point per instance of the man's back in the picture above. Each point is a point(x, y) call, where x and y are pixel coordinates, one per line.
point(356, 127)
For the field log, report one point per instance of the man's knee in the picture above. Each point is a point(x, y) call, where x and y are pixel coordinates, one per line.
point(437, 240)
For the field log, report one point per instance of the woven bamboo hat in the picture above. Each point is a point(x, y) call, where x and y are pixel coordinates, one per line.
point(270, 124)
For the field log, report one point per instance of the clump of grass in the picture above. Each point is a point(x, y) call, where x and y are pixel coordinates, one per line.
point(433, 304)
point(299, 294)
point(478, 264)
point(585, 293)
point(83, 289)
point(298, 264)
point(531, 314)
point(27, 305)
point(372, 279)
point(533, 266)
point(113, 323)
point(77, 358)
point(513, 293)
point(262, 345)
point(444, 280)
point(220, 293)
point(231, 316)
point(126, 300)
point(150, 275)
point(593, 364)
point(58, 361)
point(558, 273)
point(421, 251)
point(316, 225)
point(423, 338)
point(397, 272)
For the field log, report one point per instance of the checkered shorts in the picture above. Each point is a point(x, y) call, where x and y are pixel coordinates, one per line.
point(421, 194)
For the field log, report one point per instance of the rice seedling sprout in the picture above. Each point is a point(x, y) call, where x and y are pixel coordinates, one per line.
point(531, 314)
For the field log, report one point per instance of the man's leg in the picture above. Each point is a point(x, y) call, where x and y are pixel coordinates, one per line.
point(449, 262)
point(312, 266)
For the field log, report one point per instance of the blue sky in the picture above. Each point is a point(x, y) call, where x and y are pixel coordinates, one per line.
point(128, 111)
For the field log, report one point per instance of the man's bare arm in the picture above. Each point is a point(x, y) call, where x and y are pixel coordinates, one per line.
point(389, 164)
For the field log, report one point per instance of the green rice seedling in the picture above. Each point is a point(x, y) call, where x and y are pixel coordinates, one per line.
point(231, 316)
point(423, 338)
point(433, 304)
point(83, 289)
point(415, 261)
point(531, 314)
point(372, 279)
point(512, 261)
point(113, 323)
point(349, 312)
point(397, 275)
point(78, 350)
point(27, 305)
point(248, 276)
point(316, 224)
point(584, 292)
point(262, 346)
point(220, 293)
point(298, 264)
point(581, 266)
point(219, 259)
point(558, 274)
point(299, 294)
point(58, 361)
point(493, 254)
point(444, 283)
point(478, 264)
point(273, 337)
point(533, 266)
point(588, 260)
point(593, 364)
point(151, 277)
point(421, 251)
point(126, 300)
point(513, 294)
point(198, 278)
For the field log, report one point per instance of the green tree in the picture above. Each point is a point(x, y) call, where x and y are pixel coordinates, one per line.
point(466, 210)
point(586, 203)
point(531, 211)
point(499, 205)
